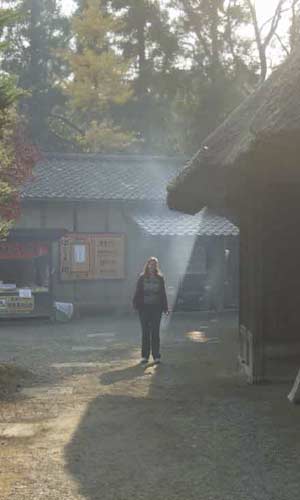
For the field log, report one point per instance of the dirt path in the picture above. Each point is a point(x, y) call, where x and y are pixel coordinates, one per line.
point(90, 423)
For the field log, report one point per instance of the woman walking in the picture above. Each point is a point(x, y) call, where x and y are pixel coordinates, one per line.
point(150, 300)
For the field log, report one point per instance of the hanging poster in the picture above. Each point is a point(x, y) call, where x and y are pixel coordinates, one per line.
point(92, 256)
point(25, 293)
point(14, 305)
point(79, 254)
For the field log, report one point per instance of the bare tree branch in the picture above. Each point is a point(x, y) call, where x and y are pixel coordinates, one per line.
point(274, 23)
point(282, 45)
point(67, 122)
point(260, 47)
point(268, 21)
point(263, 43)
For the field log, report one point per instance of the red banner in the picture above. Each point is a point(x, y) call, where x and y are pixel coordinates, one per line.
point(11, 250)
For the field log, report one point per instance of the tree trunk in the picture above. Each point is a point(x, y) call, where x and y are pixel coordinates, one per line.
point(142, 63)
point(215, 49)
point(34, 76)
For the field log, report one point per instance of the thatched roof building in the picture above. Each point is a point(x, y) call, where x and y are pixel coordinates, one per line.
point(264, 129)
point(250, 166)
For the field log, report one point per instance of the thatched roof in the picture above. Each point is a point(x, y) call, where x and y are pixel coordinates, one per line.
point(264, 120)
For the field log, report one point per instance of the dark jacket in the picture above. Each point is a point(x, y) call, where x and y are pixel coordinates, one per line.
point(138, 299)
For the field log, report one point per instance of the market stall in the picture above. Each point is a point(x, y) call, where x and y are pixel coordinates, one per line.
point(25, 273)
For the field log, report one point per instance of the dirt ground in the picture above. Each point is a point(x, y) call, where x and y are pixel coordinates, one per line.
point(81, 419)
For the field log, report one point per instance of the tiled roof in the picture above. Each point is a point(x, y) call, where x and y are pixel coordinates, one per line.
point(170, 223)
point(99, 177)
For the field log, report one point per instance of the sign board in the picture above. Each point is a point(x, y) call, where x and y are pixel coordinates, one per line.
point(10, 250)
point(25, 293)
point(13, 305)
point(97, 256)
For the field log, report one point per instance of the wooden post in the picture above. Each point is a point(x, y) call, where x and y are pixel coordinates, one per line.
point(220, 263)
point(75, 286)
point(51, 284)
point(251, 321)
point(257, 289)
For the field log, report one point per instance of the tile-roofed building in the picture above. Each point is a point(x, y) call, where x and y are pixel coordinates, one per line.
point(169, 223)
point(95, 177)
point(114, 211)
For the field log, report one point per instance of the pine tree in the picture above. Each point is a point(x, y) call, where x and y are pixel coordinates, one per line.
point(32, 54)
point(145, 37)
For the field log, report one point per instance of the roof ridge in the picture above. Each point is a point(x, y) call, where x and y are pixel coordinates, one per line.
point(113, 157)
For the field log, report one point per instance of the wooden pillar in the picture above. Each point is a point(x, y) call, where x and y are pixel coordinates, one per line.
point(258, 291)
point(75, 286)
point(220, 278)
point(216, 273)
point(51, 277)
point(252, 348)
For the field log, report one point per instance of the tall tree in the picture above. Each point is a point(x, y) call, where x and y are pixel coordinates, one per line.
point(218, 69)
point(146, 39)
point(32, 54)
point(99, 80)
point(17, 157)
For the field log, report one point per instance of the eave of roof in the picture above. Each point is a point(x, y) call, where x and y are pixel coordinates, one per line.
point(273, 111)
point(23, 234)
point(166, 222)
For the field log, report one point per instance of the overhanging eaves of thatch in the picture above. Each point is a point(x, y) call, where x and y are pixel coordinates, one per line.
point(270, 112)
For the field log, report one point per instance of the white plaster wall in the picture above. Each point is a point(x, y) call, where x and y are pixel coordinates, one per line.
point(91, 218)
point(59, 217)
point(30, 218)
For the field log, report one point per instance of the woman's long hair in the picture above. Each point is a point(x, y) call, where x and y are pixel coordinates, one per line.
point(157, 270)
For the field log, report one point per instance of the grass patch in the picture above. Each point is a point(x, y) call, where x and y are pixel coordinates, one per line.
point(12, 378)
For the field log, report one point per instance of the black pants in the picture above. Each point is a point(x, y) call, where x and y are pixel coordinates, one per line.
point(150, 317)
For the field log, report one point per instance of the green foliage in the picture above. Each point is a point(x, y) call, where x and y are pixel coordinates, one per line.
point(9, 93)
point(188, 70)
point(16, 158)
point(218, 70)
point(164, 71)
point(33, 43)
point(146, 38)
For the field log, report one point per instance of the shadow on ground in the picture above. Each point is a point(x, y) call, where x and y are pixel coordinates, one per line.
point(38, 353)
point(126, 374)
point(197, 432)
